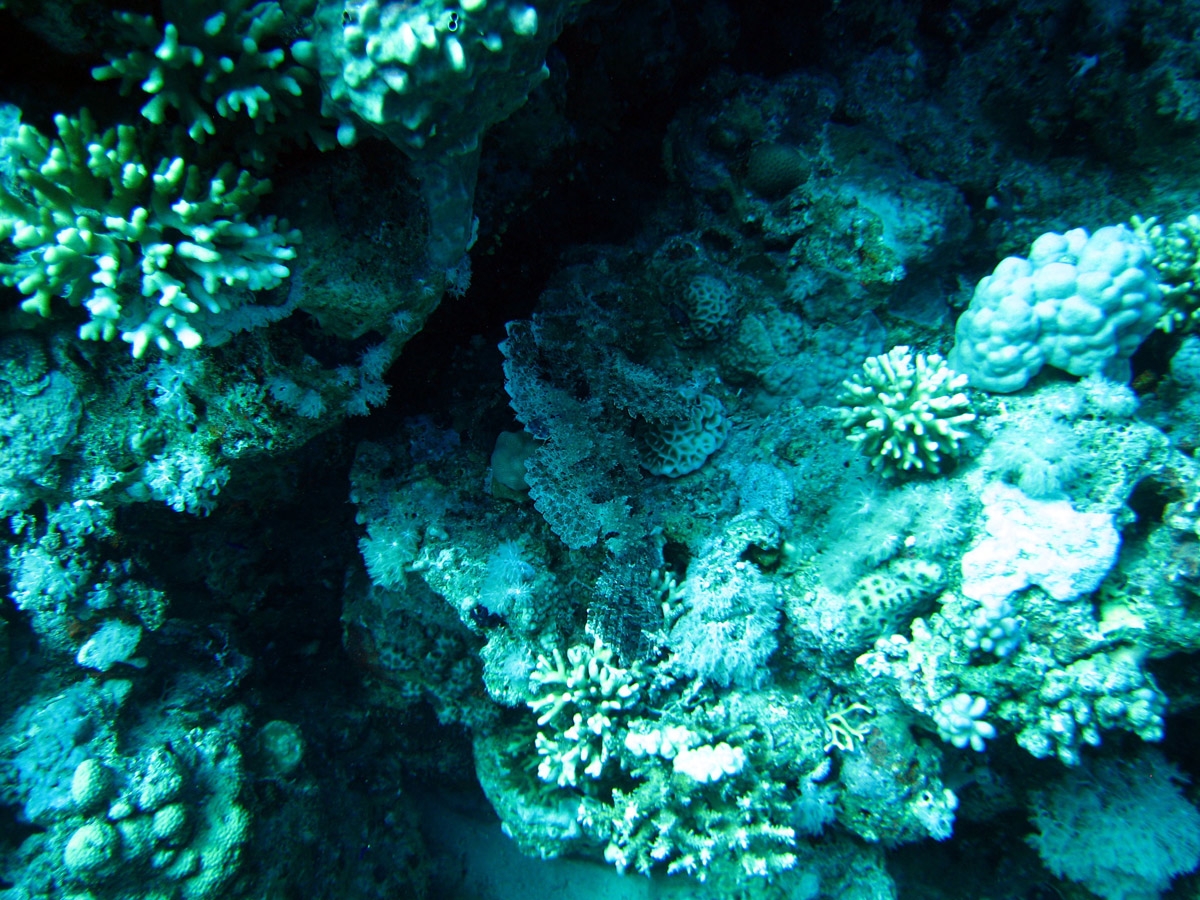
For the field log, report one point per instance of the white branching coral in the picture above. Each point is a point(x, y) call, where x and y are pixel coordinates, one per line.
point(906, 411)
point(577, 697)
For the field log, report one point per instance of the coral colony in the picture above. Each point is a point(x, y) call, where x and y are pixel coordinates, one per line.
point(550, 448)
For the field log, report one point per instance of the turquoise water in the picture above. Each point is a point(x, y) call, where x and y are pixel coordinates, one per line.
point(471, 449)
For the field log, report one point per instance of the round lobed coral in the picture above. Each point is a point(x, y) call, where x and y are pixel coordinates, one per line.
point(1079, 303)
point(906, 410)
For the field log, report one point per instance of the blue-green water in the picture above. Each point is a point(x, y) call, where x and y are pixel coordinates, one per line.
point(475, 449)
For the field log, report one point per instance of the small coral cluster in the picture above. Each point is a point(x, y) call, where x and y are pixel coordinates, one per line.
point(160, 817)
point(906, 411)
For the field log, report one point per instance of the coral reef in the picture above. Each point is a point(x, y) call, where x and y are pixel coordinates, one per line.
point(441, 431)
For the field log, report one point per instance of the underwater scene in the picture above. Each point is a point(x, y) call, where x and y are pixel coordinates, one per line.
point(599, 449)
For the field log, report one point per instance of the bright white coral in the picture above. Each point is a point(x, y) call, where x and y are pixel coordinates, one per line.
point(576, 698)
point(906, 411)
point(1083, 304)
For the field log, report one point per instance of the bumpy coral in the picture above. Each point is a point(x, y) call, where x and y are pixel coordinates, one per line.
point(1080, 303)
point(432, 77)
point(906, 410)
point(433, 74)
point(161, 817)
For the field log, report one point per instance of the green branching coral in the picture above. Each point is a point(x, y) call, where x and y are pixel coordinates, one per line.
point(151, 249)
point(228, 59)
point(906, 410)
point(1175, 255)
point(667, 776)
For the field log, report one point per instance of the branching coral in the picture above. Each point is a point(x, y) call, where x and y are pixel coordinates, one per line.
point(1175, 255)
point(582, 691)
point(152, 249)
point(225, 59)
point(906, 411)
